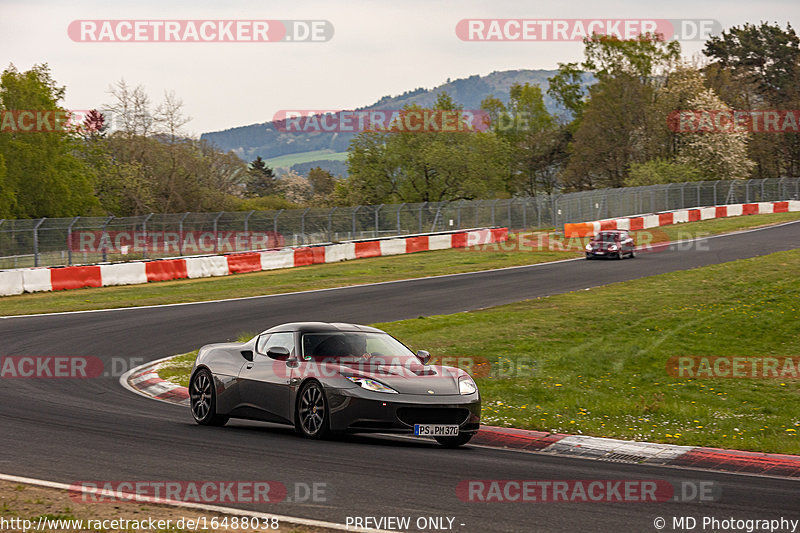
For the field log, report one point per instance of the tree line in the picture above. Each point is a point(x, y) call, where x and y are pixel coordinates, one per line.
point(615, 133)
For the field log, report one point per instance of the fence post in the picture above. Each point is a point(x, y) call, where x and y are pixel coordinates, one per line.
point(69, 240)
point(419, 215)
point(246, 231)
point(104, 237)
point(377, 220)
point(36, 242)
point(330, 224)
point(275, 225)
point(399, 208)
point(180, 233)
point(216, 233)
point(144, 229)
point(303, 225)
point(353, 236)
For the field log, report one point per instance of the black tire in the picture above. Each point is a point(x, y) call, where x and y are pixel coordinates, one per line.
point(589, 256)
point(633, 254)
point(619, 255)
point(455, 442)
point(203, 400)
point(311, 419)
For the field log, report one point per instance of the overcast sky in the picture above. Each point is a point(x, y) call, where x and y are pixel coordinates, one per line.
point(379, 48)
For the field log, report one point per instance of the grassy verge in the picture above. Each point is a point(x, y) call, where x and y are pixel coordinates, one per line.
point(594, 362)
point(339, 274)
point(599, 356)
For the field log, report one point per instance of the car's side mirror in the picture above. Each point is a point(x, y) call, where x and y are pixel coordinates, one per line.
point(281, 353)
point(423, 356)
point(247, 354)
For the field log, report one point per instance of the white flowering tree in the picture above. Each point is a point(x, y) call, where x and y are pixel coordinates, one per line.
point(719, 155)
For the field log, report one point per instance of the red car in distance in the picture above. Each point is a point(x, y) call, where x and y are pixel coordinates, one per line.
point(611, 243)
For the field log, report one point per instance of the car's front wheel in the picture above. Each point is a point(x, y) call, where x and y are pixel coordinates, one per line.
point(311, 418)
point(203, 400)
point(455, 442)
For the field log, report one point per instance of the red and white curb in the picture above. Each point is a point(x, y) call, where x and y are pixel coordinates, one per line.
point(668, 218)
point(137, 272)
point(144, 380)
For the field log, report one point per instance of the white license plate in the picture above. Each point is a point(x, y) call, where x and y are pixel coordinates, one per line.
point(435, 430)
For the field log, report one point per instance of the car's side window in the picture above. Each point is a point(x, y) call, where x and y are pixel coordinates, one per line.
point(285, 340)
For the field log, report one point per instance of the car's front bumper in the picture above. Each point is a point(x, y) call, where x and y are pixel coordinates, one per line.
point(359, 410)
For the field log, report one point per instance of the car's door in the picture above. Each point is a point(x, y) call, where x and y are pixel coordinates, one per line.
point(264, 382)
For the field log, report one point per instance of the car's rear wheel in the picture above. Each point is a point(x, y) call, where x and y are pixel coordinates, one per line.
point(203, 400)
point(311, 418)
point(455, 442)
point(633, 254)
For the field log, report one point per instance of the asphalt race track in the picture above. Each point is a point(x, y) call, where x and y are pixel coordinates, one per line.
point(69, 430)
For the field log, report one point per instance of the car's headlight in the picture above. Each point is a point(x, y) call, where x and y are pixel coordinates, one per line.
point(466, 385)
point(588, 247)
point(371, 384)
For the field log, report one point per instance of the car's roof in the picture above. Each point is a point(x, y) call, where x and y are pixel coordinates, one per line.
point(305, 327)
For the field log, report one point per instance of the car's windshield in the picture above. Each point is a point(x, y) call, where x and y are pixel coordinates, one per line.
point(607, 237)
point(347, 344)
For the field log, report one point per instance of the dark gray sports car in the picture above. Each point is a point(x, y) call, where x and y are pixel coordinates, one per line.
point(324, 378)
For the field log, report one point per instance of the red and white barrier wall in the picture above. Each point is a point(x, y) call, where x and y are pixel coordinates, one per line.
point(641, 222)
point(131, 273)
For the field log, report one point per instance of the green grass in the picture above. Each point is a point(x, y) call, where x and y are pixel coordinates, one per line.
point(600, 356)
point(286, 161)
point(339, 274)
point(178, 368)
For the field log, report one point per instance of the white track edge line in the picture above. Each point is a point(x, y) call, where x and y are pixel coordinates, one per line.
point(186, 505)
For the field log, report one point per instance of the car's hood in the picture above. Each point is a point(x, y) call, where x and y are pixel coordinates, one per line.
point(408, 378)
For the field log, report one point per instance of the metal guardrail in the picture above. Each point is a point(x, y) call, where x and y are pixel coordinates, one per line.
point(82, 240)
